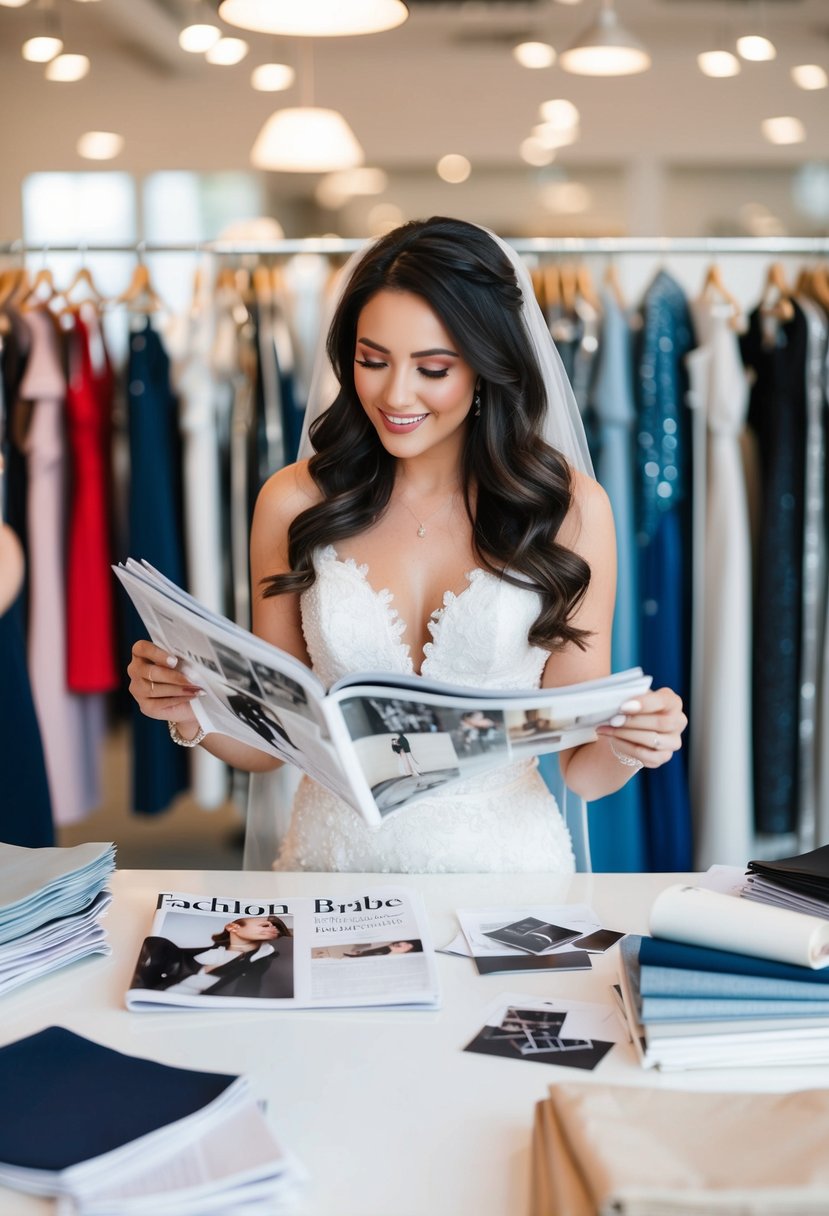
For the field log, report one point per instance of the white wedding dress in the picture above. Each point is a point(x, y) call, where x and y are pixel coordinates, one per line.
point(505, 820)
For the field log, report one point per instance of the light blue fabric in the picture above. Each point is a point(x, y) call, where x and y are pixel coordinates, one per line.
point(617, 830)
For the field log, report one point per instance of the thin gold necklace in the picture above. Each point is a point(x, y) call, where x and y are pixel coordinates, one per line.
point(421, 523)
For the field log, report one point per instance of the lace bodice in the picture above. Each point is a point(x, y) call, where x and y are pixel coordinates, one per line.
point(505, 820)
point(479, 637)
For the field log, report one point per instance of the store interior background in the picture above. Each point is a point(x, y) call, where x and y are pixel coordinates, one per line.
point(667, 153)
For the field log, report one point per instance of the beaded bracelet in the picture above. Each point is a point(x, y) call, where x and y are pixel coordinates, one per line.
point(624, 758)
point(180, 740)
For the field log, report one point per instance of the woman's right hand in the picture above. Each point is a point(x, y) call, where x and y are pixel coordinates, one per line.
point(160, 690)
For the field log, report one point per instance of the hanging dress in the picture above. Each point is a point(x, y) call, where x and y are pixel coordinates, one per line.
point(71, 725)
point(663, 459)
point(155, 533)
point(720, 732)
point(775, 353)
point(616, 825)
point(91, 659)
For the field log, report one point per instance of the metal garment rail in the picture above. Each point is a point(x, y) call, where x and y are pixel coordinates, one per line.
point(587, 246)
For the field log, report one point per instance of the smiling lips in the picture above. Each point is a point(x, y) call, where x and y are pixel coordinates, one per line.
point(402, 422)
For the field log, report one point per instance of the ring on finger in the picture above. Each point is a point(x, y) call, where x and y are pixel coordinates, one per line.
point(657, 743)
point(152, 688)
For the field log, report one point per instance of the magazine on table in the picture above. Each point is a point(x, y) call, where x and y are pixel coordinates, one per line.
point(378, 740)
point(215, 952)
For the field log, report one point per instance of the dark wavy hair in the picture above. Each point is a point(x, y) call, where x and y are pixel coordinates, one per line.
point(223, 938)
point(517, 488)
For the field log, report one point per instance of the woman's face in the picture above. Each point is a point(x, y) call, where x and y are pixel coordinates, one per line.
point(254, 929)
point(412, 383)
point(400, 947)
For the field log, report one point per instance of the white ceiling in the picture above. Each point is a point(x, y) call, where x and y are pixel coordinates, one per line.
point(443, 82)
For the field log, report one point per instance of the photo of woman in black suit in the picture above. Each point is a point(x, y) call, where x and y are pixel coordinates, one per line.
point(251, 957)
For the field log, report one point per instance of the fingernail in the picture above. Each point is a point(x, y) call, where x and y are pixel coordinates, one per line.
point(201, 693)
point(631, 707)
point(619, 720)
point(171, 660)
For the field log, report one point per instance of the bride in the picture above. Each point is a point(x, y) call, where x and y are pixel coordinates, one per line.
point(446, 523)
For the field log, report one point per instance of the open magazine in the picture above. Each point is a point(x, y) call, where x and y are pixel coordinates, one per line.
point(378, 740)
point(212, 952)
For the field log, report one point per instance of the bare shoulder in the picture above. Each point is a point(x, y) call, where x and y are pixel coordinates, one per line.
point(284, 496)
point(588, 528)
point(287, 493)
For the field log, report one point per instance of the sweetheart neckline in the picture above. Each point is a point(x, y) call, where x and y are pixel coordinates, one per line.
point(397, 624)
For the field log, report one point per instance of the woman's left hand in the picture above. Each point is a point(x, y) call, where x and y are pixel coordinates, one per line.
point(652, 728)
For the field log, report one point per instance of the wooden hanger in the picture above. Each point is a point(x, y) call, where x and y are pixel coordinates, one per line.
point(776, 301)
point(584, 287)
point(83, 278)
point(41, 291)
point(141, 296)
point(10, 280)
point(713, 285)
point(552, 285)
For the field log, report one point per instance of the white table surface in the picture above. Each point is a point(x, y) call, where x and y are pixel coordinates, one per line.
point(388, 1114)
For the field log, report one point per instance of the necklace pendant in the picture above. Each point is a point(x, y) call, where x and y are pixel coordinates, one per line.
point(421, 531)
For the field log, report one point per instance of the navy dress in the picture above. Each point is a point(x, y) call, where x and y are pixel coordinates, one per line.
point(155, 533)
point(663, 476)
point(776, 352)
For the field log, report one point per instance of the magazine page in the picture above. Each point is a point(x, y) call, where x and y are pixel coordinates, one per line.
point(212, 952)
point(406, 746)
point(253, 692)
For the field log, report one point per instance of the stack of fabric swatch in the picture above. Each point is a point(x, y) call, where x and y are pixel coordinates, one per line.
point(110, 1134)
point(798, 883)
point(52, 902)
point(695, 1007)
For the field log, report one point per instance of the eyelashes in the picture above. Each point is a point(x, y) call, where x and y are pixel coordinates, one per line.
point(429, 373)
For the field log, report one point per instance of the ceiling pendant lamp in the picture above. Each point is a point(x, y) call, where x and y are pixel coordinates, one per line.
point(306, 139)
point(314, 18)
point(606, 48)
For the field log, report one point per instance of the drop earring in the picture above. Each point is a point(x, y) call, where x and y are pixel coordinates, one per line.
point(476, 401)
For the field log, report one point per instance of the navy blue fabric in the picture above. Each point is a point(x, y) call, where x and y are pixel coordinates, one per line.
point(660, 953)
point(67, 1099)
point(155, 533)
point(777, 415)
point(663, 533)
point(25, 806)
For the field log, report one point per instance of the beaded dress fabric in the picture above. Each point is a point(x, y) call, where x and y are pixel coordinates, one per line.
point(503, 820)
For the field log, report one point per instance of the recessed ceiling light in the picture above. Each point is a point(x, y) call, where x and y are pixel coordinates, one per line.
point(272, 77)
point(810, 76)
point(454, 168)
point(67, 68)
point(718, 63)
point(756, 48)
point(41, 48)
point(783, 130)
point(559, 113)
point(199, 37)
point(227, 51)
point(534, 54)
point(383, 217)
point(100, 145)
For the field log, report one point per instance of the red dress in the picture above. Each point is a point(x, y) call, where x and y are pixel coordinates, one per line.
point(91, 655)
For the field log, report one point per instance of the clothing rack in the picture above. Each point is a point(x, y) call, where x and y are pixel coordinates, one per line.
point(587, 246)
